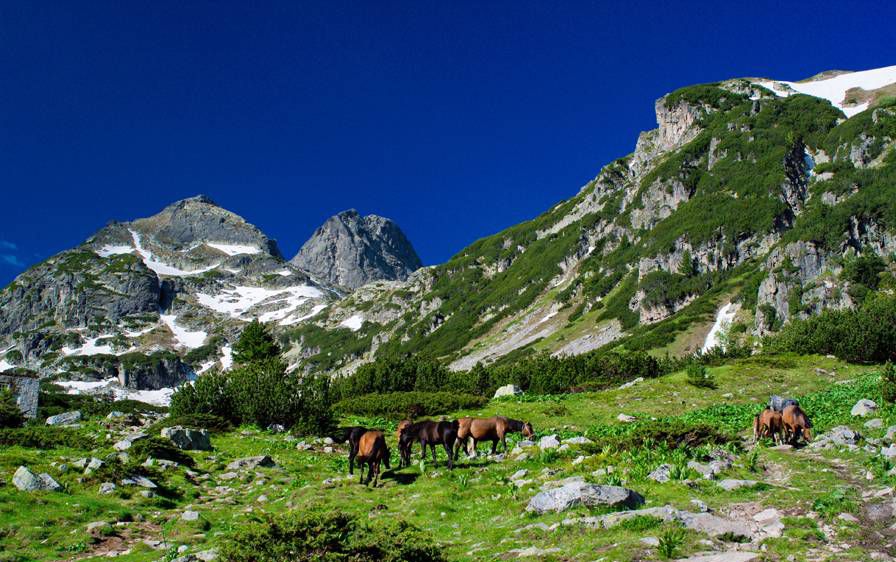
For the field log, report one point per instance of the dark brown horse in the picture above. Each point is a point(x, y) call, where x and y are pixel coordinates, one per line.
point(768, 424)
point(796, 425)
point(353, 436)
point(428, 433)
point(372, 451)
point(494, 429)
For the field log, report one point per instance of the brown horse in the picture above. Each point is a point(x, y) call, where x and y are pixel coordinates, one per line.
point(494, 429)
point(353, 436)
point(372, 450)
point(768, 424)
point(796, 425)
point(428, 433)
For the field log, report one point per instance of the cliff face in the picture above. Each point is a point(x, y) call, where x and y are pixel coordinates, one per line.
point(349, 251)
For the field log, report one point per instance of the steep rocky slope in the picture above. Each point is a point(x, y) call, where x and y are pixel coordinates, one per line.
point(746, 191)
point(350, 251)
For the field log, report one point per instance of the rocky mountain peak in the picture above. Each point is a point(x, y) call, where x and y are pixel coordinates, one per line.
point(351, 250)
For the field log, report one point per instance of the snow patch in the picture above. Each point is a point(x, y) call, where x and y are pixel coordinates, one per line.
point(184, 337)
point(284, 272)
point(163, 268)
point(234, 249)
point(77, 387)
point(723, 321)
point(91, 347)
point(290, 320)
point(5, 365)
point(834, 89)
point(548, 316)
point(353, 322)
point(238, 301)
point(114, 250)
point(226, 357)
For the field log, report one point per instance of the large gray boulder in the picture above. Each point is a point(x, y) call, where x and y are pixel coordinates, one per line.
point(27, 481)
point(188, 439)
point(574, 494)
point(126, 443)
point(508, 390)
point(67, 418)
point(349, 250)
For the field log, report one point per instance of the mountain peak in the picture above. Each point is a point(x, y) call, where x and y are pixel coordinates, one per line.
point(351, 250)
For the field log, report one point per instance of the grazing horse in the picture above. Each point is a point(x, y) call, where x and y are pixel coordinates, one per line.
point(353, 436)
point(768, 424)
point(372, 450)
point(796, 425)
point(428, 433)
point(494, 429)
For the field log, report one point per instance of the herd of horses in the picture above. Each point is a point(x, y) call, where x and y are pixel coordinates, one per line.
point(783, 421)
point(368, 446)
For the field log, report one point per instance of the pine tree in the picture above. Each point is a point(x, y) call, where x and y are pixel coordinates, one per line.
point(10, 414)
point(255, 344)
point(687, 267)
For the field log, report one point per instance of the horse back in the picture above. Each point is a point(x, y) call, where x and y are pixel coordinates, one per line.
point(371, 446)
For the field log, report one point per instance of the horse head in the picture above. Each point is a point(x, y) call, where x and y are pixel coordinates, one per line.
point(527, 430)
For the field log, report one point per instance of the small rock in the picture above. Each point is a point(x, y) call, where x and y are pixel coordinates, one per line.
point(190, 515)
point(876, 423)
point(631, 383)
point(848, 517)
point(650, 541)
point(889, 452)
point(276, 428)
point(141, 481)
point(863, 407)
point(578, 460)
point(94, 464)
point(625, 418)
point(251, 463)
point(891, 434)
point(302, 446)
point(67, 418)
point(578, 440)
point(328, 440)
point(525, 443)
point(98, 528)
point(581, 493)
point(228, 476)
point(148, 494)
point(730, 484)
point(114, 414)
point(107, 487)
point(519, 474)
point(700, 505)
point(508, 390)
point(662, 473)
point(548, 442)
point(328, 449)
point(128, 441)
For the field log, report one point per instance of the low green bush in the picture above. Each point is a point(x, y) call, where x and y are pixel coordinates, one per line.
point(699, 376)
point(398, 405)
point(159, 448)
point(10, 414)
point(45, 437)
point(330, 536)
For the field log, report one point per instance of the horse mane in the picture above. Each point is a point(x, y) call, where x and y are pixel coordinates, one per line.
point(515, 425)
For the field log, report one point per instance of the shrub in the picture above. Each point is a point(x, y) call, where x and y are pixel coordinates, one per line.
point(10, 414)
point(864, 270)
point(45, 437)
point(699, 376)
point(397, 405)
point(255, 344)
point(671, 434)
point(888, 382)
point(209, 395)
point(670, 542)
point(332, 536)
point(864, 335)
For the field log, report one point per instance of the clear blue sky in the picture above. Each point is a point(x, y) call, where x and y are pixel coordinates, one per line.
point(456, 119)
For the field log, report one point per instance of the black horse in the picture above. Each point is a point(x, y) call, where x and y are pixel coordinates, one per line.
point(353, 436)
point(428, 433)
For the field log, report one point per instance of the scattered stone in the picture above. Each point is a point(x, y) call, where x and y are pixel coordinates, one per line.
point(188, 439)
point(533, 551)
point(889, 452)
point(228, 476)
point(650, 541)
point(578, 440)
point(94, 464)
point(276, 428)
point(548, 442)
point(700, 505)
point(891, 434)
point(262, 499)
point(770, 522)
point(98, 528)
point(190, 515)
point(107, 487)
point(27, 481)
point(328, 449)
point(302, 446)
point(115, 414)
point(702, 522)
point(876, 423)
point(328, 441)
point(848, 517)
point(80, 463)
point(730, 484)
point(578, 460)
point(840, 436)
point(580, 493)
point(148, 494)
point(66, 418)
point(662, 473)
point(519, 474)
point(731, 556)
point(525, 443)
point(563, 447)
point(625, 418)
point(508, 390)
point(141, 481)
point(863, 407)
point(251, 463)
point(631, 383)
point(126, 443)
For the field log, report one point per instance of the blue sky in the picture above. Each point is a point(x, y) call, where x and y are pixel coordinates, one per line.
point(456, 119)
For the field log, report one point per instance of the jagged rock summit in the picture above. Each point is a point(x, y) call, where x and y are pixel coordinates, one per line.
point(349, 250)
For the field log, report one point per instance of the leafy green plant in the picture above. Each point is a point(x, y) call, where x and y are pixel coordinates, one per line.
point(10, 414)
point(888, 382)
point(699, 376)
point(835, 502)
point(670, 543)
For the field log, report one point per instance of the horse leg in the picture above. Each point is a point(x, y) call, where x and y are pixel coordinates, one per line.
point(376, 474)
point(351, 461)
point(361, 471)
point(432, 449)
point(494, 445)
point(450, 454)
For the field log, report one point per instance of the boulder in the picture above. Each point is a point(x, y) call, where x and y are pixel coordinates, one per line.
point(840, 436)
point(730, 484)
point(876, 423)
point(27, 481)
point(548, 442)
point(863, 408)
point(188, 439)
point(141, 481)
point(508, 390)
point(251, 463)
point(574, 494)
point(66, 418)
point(662, 473)
point(126, 443)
